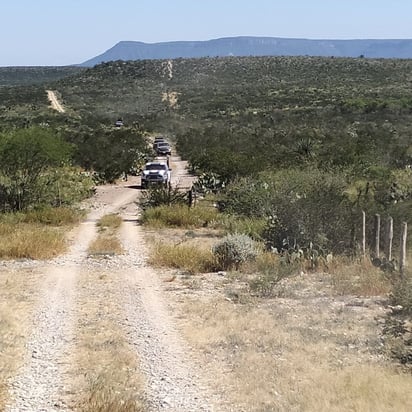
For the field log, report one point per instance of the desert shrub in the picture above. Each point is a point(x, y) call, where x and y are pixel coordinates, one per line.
point(109, 152)
point(25, 156)
point(310, 207)
point(66, 186)
point(179, 215)
point(235, 249)
point(159, 195)
point(102, 395)
point(105, 244)
point(250, 226)
point(301, 206)
point(248, 196)
point(271, 269)
point(402, 294)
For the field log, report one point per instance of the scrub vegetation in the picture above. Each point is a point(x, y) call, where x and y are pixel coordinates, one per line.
point(288, 152)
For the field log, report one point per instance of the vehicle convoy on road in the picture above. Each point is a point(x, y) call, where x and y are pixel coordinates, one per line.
point(163, 149)
point(157, 140)
point(155, 173)
point(161, 146)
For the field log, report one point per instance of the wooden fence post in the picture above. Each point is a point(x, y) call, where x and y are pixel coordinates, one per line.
point(363, 233)
point(402, 259)
point(377, 230)
point(389, 239)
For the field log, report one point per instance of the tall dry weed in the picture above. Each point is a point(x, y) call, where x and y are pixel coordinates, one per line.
point(180, 256)
point(359, 278)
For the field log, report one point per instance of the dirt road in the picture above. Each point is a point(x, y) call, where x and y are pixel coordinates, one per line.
point(77, 294)
point(55, 104)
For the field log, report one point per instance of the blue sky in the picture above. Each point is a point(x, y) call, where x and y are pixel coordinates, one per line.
point(61, 32)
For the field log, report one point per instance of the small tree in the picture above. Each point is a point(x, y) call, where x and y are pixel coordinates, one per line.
point(25, 155)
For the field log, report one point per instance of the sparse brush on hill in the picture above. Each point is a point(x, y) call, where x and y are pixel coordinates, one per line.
point(294, 117)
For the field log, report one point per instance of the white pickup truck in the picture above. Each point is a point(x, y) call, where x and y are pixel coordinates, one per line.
point(156, 172)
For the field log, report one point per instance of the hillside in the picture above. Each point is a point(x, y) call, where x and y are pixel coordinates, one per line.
point(26, 75)
point(255, 282)
point(254, 46)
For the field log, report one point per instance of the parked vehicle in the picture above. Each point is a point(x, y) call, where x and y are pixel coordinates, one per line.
point(155, 173)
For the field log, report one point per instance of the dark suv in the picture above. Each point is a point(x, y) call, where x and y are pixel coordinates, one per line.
point(163, 149)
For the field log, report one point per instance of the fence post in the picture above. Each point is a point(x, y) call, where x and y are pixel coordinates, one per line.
point(389, 238)
point(377, 230)
point(363, 233)
point(402, 259)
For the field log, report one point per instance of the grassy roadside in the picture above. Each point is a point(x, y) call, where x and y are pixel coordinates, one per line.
point(36, 234)
point(288, 336)
point(305, 350)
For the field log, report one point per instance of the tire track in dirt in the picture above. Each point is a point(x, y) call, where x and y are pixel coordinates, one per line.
point(40, 384)
point(45, 381)
point(173, 384)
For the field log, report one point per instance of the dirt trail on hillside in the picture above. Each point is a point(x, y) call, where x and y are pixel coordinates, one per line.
point(54, 102)
point(47, 380)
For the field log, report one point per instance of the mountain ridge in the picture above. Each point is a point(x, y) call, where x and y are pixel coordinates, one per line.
point(255, 46)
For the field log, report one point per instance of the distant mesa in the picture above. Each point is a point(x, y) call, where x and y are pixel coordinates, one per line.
point(255, 46)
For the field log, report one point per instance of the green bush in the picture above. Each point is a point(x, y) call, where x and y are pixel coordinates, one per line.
point(159, 196)
point(26, 155)
point(302, 207)
point(251, 226)
point(235, 249)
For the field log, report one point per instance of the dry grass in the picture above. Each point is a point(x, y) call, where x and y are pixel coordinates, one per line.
point(17, 295)
point(105, 366)
point(105, 245)
point(190, 258)
point(110, 221)
point(107, 242)
point(285, 359)
point(57, 216)
point(358, 278)
point(37, 234)
point(179, 216)
point(30, 241)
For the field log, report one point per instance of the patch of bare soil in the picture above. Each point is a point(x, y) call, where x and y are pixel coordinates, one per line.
point(171, 98)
